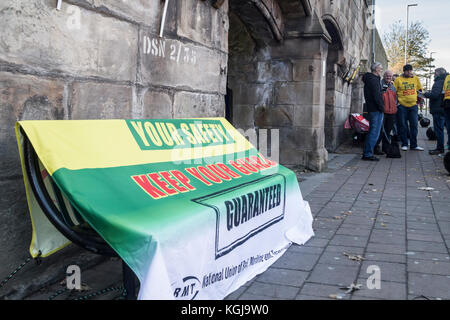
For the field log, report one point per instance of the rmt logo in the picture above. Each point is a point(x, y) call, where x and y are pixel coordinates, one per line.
point(188, 290)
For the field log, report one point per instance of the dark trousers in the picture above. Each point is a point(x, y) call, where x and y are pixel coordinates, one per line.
point(438, 126)
point(389, 126)
point(408, 115)
point(397, 126)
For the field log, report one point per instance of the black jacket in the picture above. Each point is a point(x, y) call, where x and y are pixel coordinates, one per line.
point(372, 93)
point(436, 96)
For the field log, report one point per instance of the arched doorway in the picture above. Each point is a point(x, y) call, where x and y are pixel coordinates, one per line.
point(335, 108)
point(276, 77)
point(253, 28)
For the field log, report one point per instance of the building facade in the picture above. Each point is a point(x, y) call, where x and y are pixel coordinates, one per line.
point(264, 64)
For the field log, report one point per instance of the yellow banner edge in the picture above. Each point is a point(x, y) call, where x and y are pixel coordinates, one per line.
point(34, 254)
point(228, 126)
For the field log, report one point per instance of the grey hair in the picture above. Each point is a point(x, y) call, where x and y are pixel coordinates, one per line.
point(374, 66)
point(440, 71)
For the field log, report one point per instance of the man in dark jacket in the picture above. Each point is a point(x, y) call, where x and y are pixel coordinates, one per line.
point(390, 110)
point(436, 100)
point(375, 108)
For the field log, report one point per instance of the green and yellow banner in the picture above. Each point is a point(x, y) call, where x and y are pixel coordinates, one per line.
point(189, 204)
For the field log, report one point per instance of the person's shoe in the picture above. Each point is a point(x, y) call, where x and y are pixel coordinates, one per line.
point(436, 151)
point(405, 148)
point(372, 158)
point(418, 149)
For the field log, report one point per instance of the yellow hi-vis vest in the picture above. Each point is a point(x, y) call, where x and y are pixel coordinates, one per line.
point(447, 88)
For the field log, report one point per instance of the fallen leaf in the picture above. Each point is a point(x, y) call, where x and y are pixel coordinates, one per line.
point(335, 296)
point(347, 213)
point(357, 258)
point(351, 288)
point(337, 217)
point(383, 225)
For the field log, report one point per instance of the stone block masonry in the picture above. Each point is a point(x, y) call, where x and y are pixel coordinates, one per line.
point(99, 59)
point(265, 64)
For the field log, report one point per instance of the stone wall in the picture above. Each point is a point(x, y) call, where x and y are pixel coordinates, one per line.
point(351, 21)
point(380, 52)
point(282, 62)
point(99, 59)
point(358, 85)
point(297, 85)
point(279, 86)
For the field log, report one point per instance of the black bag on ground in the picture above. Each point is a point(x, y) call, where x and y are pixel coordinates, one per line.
point(393, 150)
point(447, 161)
point(391, 147)
point(396, 137)
point(431, 134)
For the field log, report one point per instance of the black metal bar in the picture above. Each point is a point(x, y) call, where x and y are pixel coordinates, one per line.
point(87, 239)
point(77, 215)
point(62, 206)
point(49, 208)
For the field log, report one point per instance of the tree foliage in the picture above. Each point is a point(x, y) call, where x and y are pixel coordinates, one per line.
point(417, 47)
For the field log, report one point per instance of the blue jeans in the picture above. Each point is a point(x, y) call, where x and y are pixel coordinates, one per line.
point(397, 125)
point(408, 115)
point(438, 125)
point(376, 121)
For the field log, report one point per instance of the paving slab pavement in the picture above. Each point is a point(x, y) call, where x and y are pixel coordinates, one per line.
point(375, 210)
point(369, 209)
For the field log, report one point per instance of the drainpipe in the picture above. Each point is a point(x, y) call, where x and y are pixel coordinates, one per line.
point(163, 20)
point(373, 31)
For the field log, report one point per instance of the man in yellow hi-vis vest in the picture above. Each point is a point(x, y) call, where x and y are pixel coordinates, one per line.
point(446, 104)
point(407, 86)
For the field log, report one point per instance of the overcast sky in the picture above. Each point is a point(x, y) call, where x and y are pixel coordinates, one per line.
point(435, 16)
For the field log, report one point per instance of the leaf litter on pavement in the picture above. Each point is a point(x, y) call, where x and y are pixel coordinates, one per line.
point(357, 258)
point(352, 288)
